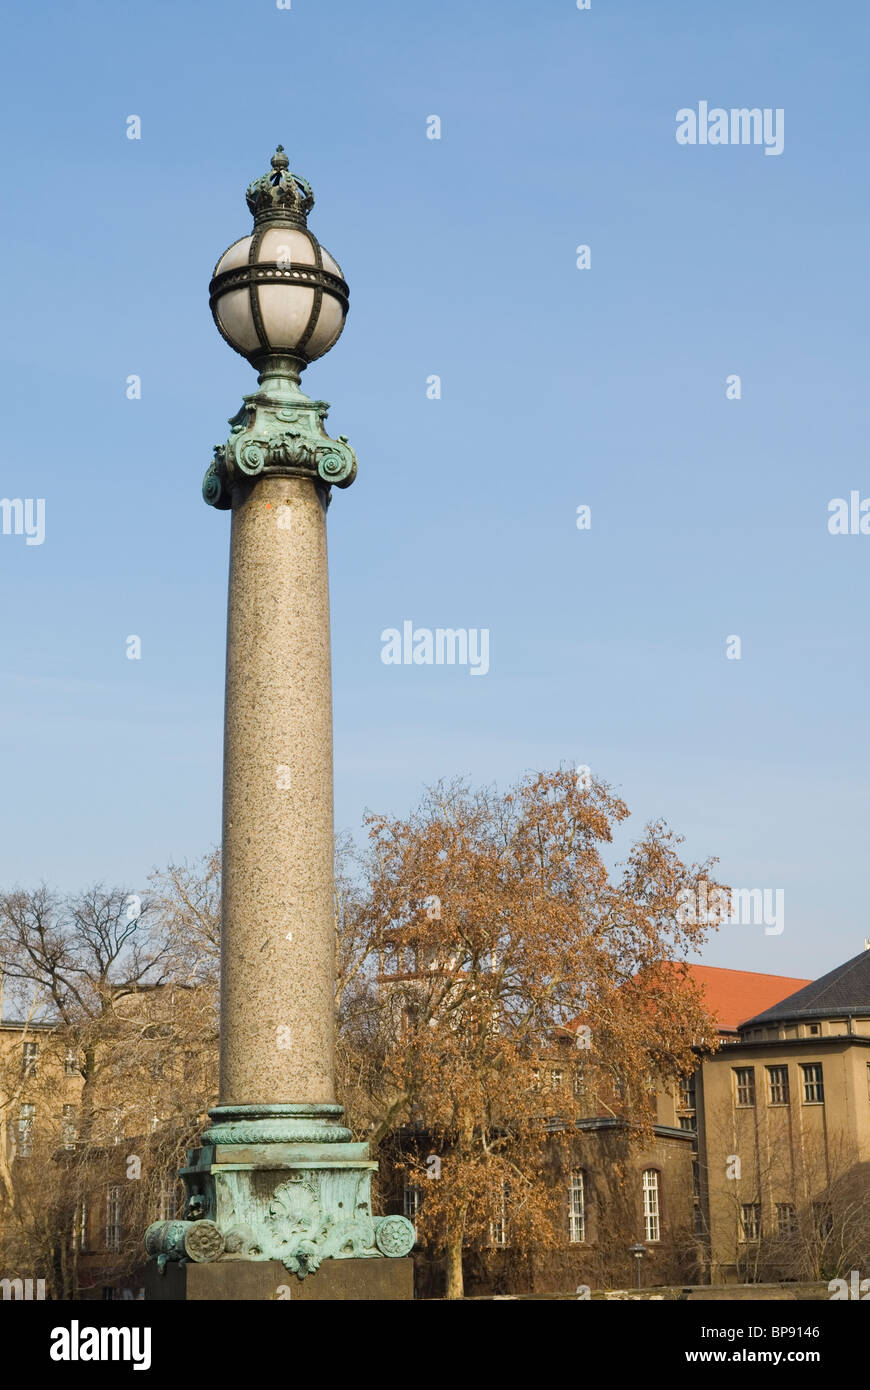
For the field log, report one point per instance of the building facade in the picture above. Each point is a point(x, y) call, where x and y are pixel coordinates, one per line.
point(783, 1120)
point(757, 1168)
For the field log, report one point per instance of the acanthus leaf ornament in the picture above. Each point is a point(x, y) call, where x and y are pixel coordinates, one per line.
point(316, 1208)
point(278, 432)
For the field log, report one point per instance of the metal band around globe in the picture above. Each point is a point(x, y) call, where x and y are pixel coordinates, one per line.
point(306, 276)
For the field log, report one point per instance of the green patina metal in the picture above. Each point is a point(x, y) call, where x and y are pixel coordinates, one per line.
point(276, 1124)
point(281, 1182)
point(281, 196)
point(278, 433)
point(199, 1241)
point(308, 1204)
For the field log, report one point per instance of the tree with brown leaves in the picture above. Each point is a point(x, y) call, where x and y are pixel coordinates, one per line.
point(498, 927)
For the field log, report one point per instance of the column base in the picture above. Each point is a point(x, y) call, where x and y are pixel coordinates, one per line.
point(267, 1280)
point(279, 1183)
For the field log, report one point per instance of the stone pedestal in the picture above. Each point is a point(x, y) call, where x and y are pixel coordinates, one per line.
point(301, 1202)
point(344, 1281)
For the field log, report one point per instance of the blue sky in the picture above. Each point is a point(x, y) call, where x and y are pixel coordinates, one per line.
point(560, 387)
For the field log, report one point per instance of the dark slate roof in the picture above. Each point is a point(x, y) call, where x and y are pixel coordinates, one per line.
point(841, 992)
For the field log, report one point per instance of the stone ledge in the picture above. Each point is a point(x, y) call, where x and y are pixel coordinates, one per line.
point(339, 1281)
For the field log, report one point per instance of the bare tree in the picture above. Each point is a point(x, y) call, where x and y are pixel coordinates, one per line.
point(113, 985)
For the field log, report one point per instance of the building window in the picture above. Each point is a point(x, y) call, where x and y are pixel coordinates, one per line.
point(777, 1081)
point(113, 1218)
point(698, 1219)
point(68, 1125)
point(750, 1221)
point(412, 1195)
point(70, 1063)
point(687, 1092)
point(815, 1029)
point(81, 1227)
point(651, 1222)
point(687, 1122)
point(536, 1079)
point(498, 1229)
point(786, 1220)
point(577, 1208)
point(29, 1058)
point(814, 1087)
point(556, 1079)
point(168, 1207)
point(744, 1078)
point(584, 1097)
point(24, 1147)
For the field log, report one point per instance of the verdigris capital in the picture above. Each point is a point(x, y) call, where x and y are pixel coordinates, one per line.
point(278, 432)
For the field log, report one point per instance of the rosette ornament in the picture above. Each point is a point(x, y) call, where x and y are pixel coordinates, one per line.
point(277, 291)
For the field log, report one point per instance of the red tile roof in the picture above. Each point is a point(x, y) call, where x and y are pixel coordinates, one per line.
point(733, 996)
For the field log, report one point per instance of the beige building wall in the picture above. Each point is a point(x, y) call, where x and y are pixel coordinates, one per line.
point(774, 1154)
point(44, 1084)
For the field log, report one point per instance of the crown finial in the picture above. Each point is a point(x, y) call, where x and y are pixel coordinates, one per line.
point(280, 196)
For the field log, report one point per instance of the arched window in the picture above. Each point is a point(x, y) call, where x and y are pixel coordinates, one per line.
point(651, 1213)
point(576, 1207)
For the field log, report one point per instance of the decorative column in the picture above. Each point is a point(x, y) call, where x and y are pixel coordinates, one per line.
point(278, 1176)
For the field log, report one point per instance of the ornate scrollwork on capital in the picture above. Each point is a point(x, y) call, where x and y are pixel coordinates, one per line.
point(251, 455)
point(278, 433)
point(214, 489)
point(336, 467)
